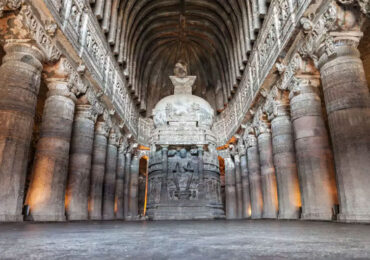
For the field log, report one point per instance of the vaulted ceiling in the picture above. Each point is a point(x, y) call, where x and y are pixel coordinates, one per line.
point(213, 37)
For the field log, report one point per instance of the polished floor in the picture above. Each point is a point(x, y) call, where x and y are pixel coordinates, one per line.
point(185, 240)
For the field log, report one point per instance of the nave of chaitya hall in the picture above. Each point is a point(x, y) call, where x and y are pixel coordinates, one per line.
point(184, 110)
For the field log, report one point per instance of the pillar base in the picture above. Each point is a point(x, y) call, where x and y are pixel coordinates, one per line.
point(48, 218)
point(269, 216)
point(77, 217)
point(256, 217)
point(109, 217)
point(289, 216)
point(317, 216)
point(11, 218)
point(95, 218)
point(351, 218)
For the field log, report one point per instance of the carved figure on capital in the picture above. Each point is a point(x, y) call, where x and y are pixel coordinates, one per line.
point(260, 122)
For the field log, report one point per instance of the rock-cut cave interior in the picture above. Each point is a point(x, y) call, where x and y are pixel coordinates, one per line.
point(184, 129)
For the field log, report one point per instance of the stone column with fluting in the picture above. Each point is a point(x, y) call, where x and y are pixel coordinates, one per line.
point(46, 195)
point(347, 103)
point(120, 180)
point(238, 186)
point(164, 191)
point(109, 187)
point(246, 206)
point(254, 174)
point(78, 187)
point(98, 170)
point(133, 203)
point(20, 75)
point(230, 187)
point(268, 178)
point(313, 152)
point(126, 190)
point(289, 195)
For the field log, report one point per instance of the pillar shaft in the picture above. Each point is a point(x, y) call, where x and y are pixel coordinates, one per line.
point(120, 180)
point(46, 196)
point(20, 83)
point(133, 203)
point(286, 168)
point(230, 189)
point(254, 177)
point(164, 191)
point(268, 178)
point(348, 106)
point(77, 194)
point(201, 185)
point(313, 154)
point(238, 187)
point(109, 187)
point(246, 207)
point(98, 170)
point(126, 191)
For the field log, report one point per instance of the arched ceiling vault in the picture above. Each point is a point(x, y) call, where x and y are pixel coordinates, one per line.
point(213, 37)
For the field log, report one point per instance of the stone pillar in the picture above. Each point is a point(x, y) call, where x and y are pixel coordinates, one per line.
point(246, 207)
point(109, 187)
point(347, 103)
point(98, 170)
point(77, 194)
point(126, 191)
point(284, 157)
point(120, 181)
point(254, 176)
point(230, 189)
point(313, 154)
point(201, 187)
point(164, 192)
point(133, 203)
point(238, 187)
point(46, 196)
point(268, 178)
point(20, 82)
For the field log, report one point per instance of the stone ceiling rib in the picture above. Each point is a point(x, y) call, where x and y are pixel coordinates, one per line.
point(212, 36)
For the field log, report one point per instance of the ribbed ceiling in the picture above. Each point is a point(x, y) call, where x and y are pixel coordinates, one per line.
point(212, 36)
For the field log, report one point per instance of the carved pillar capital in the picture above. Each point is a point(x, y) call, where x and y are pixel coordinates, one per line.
point(277, 104)
point(57, 79)
point(86, 111)
point(363, 4)
point(9, 5)
point(102, 128)
point(113, 138)
point(260, 123)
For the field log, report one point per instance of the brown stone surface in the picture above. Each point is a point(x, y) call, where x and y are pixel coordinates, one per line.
point(20, 83)
point(46, 195)
point(133, 195)
point(347, 102)
point(78, 186)
point(230, 190)
point(255, 179)
point(246, 207)
point(120, 179)
point(313, 153)
point(286, 168)
point(238, 187)
point(268, 178)
point(109, 187)
point(98, 171)
point(126, 190)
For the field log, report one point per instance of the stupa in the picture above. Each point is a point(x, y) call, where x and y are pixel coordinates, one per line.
point(184, 176)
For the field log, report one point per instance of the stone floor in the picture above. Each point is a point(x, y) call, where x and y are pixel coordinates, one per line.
point(185, 240)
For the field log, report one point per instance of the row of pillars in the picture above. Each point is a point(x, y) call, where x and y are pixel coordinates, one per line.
point(80, 171)
point(289, 164)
